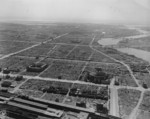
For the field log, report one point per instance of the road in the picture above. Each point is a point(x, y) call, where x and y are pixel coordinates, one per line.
point(113, 89)
point(133, 114)
point(71, 60)
point(53, 79)
point(128, 68)
point(8, 55)
point(114, 108)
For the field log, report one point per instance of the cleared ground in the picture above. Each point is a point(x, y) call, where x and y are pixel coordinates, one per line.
point(69, 51)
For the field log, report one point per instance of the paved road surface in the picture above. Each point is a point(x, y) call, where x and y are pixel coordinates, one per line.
point(114, 108)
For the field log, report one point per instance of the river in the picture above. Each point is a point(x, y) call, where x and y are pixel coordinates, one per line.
point(109, 41)
point(145, 55)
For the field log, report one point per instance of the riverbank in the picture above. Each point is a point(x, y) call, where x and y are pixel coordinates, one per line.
point(145, 55)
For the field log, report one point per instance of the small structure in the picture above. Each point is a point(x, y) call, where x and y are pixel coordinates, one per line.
point(7, 76)
point(6, 84)
point(81, 104)
point(83, 115)
point(145, 85)
point(36, 67)
point(117, 82)
point(6, 71)
point(14, 84)
point(76, 41)
point(99, 76)
point(5, 90)
point(19, 78)
point(100, 108)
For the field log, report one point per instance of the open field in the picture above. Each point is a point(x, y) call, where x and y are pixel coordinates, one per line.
point(145, 105)
point(146, 28)
point(117, 32)
point(144, 109)
point(128, 99)
point(61, 51)
point(54, 97)
point(32, 93)
point(140, 43)
point(12, 62)
point(7, 47)
point(143, 114)
point(38, 85)
point(74, 38)
point(64, 69)
point(80, 53)
point(114, 68)
point(125, 79)
point(114, 31)
point(16, 64)
point(128, 59)
point(139, 68)
point(9, 61)
point(146, 48)
point(98, 57)
point(40, 50)
point(143, 78)
point(32, 33)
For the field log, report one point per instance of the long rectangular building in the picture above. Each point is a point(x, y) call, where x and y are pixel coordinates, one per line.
point(32, 108)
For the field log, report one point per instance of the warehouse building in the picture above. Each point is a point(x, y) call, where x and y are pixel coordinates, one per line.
point(35, 108)
point(36, 67)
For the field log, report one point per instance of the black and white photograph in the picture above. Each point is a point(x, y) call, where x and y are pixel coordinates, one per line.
point(74, 59)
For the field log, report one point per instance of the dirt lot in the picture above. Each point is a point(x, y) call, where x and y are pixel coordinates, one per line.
point(16, 64)
point(7, 47)
point(144, 109)
point(54, 97)
point(143, 78)
point(128, 59)
point(98, 57)
point(114, 68)
point(145, 105)
point(38, 85)
point(76, 38)
point(140, 43)
point(61, 51)
point(41, 50)
point(80, 53)
point(128, 99)
point(126, 79)
point(143, 114)
point(66, 69)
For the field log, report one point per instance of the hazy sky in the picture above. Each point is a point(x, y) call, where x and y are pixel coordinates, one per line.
point(133, 11)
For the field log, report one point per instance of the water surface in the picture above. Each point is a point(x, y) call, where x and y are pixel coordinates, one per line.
point(145, 55)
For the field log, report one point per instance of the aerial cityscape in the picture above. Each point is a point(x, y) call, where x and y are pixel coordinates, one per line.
point(73, 70)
